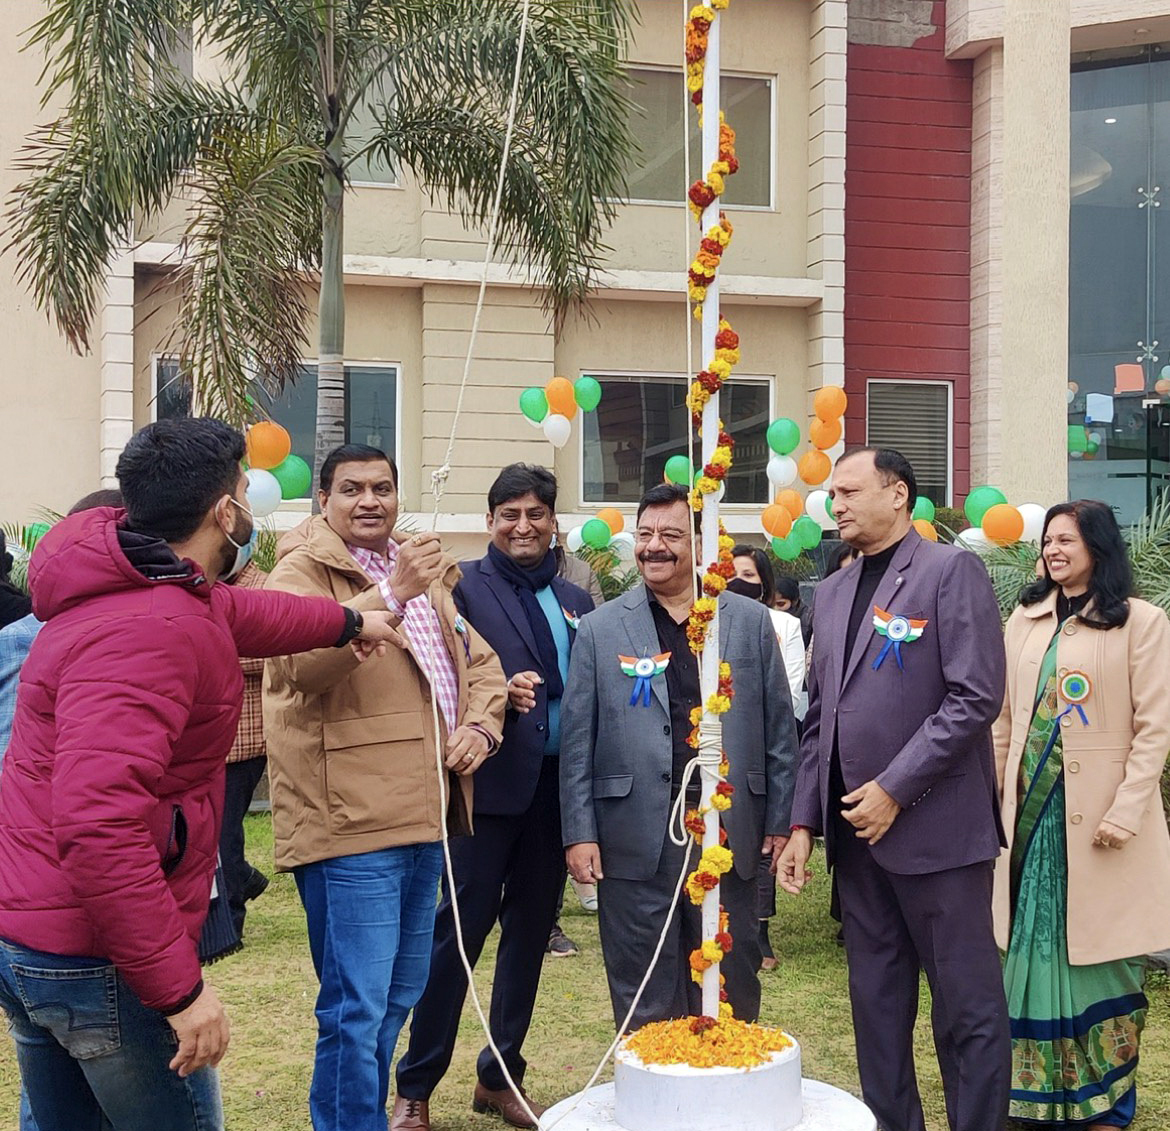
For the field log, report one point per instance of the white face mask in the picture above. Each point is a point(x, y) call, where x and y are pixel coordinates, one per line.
point(244, 550)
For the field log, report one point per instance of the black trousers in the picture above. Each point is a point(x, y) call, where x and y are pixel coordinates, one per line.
point(513, 870)
point(242, 778)
point(630, 917)
point(941, 922)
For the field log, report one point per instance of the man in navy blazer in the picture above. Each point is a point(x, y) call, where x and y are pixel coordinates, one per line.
point(513, 868)
point(896, 771)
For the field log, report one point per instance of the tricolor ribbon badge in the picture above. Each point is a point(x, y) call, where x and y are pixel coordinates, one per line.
point(571, 619)
point(1075, 688)
point(897, 630)
point(461, 628)
point(643, 671)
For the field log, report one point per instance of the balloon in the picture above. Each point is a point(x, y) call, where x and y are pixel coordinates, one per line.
point(1092, 449)
point(623, 545)
point(587, 393)
point(973, 539)
point(1003, 524)
point(1075, 455)
point(836, 451)
point(781, 471)
point(824, 434)
point(806, 532)
point(926, 529)
point(786, 549)
point(559, 392)
point(791, 501)
point(595, 533)
point(534, 404)
point(924, 509)
point(679, 470)
point(1033, 516)
point(267, 445)
point(1074, 388)
point(573, 539)
point(829, 507)
point(557, 429)
point(783, 436)
point(33, 533)
point(814, 468)
point(294, 476)
point(818, 511)
point(263, 492)
point(980, 501)
point(1165, 371)
point(612, 518)
point(1078, 438)
point(776, 521)
point(1162, 386)
point(1070, 394)
point(830, 402)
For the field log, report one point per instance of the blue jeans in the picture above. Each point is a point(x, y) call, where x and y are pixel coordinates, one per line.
point(370, 918)
point(91, 1055)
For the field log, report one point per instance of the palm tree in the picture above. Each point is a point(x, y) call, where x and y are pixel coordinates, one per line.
point(261, 159)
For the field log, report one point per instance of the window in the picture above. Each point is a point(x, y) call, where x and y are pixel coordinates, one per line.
point(657, 128)
point(369, 168)
point(915, 418)
point(371, 404)
point(642, 421)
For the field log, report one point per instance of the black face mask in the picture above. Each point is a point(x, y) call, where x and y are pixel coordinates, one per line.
point(753, 590)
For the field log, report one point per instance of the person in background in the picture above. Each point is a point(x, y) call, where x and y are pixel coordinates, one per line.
point(1084, 890)
point(842, 556)
point(13, 603)
point(789, 600)
point(755, 580)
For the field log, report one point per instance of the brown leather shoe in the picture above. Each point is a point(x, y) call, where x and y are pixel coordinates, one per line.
point(410, 1115)
point(506, 1105)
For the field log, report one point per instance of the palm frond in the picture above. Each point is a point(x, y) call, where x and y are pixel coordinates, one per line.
point(611, 575)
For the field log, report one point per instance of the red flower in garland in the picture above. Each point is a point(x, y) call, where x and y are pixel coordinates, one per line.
point(723, 995)
point(702, 1024)
point(706, 881)
point(725, 788)
point(726, 440)
point(712, 247)
point(701, 194)
point(723, 941)
point(726, 339)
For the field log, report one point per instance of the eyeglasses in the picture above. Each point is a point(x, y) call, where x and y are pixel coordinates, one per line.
point(670, 537)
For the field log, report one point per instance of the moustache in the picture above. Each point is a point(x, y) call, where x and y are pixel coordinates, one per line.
point(657, 556)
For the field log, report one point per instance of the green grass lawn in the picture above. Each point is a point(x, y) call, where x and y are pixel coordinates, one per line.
point(269, 990)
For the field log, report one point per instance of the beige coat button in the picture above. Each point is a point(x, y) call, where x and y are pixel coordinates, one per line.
point(1074, 767)
point(1066, 720)
point(1062, 672)
point(1075, 819)
point(1070, 629)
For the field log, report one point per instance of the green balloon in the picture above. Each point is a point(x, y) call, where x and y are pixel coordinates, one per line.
point(295, 477)
point(829, 509)
point(596, 533)
point(981, 500)
point(783, 436)
point(1092, 449)
point(33, 533)
point(806, 532)
point(587, 392)
point(787, 549)
point(534, 404)
point(1078, 438)
point(924, 508)
point(678, 470)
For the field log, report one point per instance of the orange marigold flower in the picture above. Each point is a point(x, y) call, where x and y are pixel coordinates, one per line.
point(706, 1042)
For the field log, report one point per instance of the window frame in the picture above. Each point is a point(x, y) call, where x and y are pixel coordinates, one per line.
point(587, 506)
point(950, 443)
point(696, 159)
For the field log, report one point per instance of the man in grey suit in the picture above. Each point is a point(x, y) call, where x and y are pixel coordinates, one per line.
point(896, 770)
point(622, 761)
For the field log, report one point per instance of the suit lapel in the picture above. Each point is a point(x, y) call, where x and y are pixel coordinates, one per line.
point(513, 609)
point(643, 634)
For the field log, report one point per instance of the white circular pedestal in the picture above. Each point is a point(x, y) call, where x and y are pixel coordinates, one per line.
point(825, 1109)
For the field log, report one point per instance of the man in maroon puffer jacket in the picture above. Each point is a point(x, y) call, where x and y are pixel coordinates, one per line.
point(114, 781)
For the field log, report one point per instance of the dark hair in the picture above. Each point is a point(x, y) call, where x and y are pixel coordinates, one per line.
point(788, 588)
point(763, 568)
point(1111, 584)
point(173, 472)
point(664, 495)
point(520, 479)
point(106, 497)
point(354, 453)
point(837, 558)
point(6, 585)
point(892, 467)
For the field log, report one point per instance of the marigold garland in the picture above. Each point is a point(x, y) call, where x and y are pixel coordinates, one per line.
point(707, 1043)
point(702, 194)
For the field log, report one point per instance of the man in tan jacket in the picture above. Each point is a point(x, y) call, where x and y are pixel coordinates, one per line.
point(357, 802)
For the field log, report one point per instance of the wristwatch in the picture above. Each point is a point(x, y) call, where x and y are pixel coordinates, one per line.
point(353, 627)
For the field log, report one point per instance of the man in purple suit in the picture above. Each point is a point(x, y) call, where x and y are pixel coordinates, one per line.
point(896, 771)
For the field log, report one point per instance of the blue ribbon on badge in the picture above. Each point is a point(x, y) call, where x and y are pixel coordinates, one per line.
point(642, 672)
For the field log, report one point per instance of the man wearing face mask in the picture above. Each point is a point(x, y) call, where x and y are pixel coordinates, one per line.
point(623, 752)
point(114, 782)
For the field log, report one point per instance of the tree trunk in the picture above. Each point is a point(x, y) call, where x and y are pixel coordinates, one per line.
point(331, 315)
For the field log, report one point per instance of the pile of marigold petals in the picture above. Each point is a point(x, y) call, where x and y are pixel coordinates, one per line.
point(726, 1043)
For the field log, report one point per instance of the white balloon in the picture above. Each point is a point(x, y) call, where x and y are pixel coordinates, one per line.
point(974, 539)
point(574, 541)
point(557, 429)
point(814, 507)
point(1033, 516)
point(781, 471)
point(836, 451)
point(1069, 396)
point(263, 492)
point(1096, 437)
point(1074, 454)
point(623, 545)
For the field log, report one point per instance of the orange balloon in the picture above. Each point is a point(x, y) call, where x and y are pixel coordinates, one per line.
point(926, 529)
point(268, 444)
point(1162, 386)
point(777, 521)
point(825, 433)
point(791, 501)
point(814, 468)
point(561, 398)
point(1003, 524)
point(612, 518)
point(830, 403)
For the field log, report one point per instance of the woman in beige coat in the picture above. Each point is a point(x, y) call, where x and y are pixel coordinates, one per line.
point(1083, 891)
